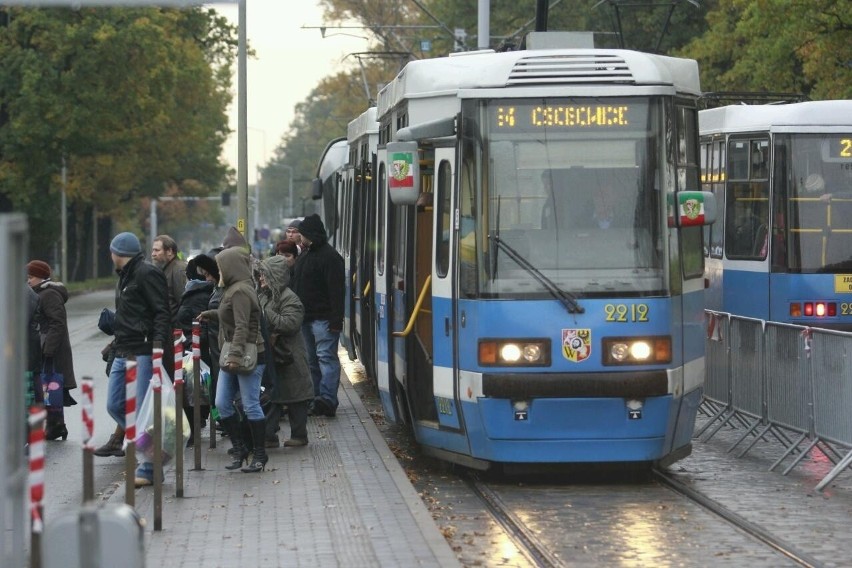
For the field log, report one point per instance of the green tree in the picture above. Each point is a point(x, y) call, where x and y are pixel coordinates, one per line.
point(132, 100)
point(323, 116)
point(796, 46)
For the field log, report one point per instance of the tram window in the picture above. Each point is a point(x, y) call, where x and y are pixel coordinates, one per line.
point(687, 135)
point(747, 220)
point(715, 182)
point(443, 231)
point(759, 159)
point(467, 248)
point(738, 159)
point(380, 221)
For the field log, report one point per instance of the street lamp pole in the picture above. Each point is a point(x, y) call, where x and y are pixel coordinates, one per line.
point(242, 117)
point(258, 176)
point(290, 198)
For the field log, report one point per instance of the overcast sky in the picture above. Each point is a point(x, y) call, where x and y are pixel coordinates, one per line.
point(289, 63)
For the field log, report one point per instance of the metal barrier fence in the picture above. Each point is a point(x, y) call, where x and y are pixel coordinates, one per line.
point(790, 382)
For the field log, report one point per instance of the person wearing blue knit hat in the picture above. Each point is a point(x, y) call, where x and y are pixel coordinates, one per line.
point(142, 317)
point(125, 245)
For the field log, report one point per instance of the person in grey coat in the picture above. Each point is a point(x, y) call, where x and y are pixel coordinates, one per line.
point(293, 386)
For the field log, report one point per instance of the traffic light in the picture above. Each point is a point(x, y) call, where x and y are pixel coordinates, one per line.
point(226, 199)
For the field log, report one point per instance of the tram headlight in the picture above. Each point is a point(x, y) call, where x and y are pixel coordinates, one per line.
point(514, 352)
point(637, 350)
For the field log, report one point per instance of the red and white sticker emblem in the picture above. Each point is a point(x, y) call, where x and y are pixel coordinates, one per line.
point(576, 344)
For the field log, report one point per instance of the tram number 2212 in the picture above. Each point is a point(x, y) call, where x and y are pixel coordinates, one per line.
point(626, 312)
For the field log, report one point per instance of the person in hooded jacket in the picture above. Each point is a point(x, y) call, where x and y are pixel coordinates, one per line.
point(284, 314)
point(193, 301)
point(238, 316)
point(205, 265)
point(56, 351)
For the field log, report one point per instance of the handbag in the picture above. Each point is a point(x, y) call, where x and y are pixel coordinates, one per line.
point(248, 362)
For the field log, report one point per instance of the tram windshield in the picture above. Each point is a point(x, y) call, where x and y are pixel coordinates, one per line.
point(812, 225)
point(564, 189)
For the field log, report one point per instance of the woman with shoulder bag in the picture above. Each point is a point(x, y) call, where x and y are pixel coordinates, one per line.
point(284, 314)
point(241, 367)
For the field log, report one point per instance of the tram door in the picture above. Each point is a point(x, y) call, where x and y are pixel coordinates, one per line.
point(364, 307)
point(410, 255)
point(385, 297)
point(445, 354)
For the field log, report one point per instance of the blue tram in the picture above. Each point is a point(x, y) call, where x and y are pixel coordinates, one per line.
point(523, 236)
point(782, 175)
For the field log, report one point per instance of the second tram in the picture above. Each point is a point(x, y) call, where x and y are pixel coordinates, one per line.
point(782, 175)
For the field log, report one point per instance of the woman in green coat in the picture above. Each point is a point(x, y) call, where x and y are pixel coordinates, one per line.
point(284, 313)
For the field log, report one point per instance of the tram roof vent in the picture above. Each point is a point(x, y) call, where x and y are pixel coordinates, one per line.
point(570, 68)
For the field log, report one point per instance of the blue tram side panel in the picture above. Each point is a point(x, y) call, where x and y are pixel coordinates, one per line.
point(782, 174)
point(537, 284)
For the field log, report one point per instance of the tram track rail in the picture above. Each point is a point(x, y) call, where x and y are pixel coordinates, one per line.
point(754, 531)
point(539, 554)
point(522, 537)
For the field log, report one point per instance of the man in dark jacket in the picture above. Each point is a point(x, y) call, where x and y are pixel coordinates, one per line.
point(319, 281)
point(142, 316)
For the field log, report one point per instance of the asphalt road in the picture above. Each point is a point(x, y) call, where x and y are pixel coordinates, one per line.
point(64, 460)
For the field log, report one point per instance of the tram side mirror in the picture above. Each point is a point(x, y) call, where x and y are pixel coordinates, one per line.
point(316, 189)
point(694, 209)
point(403, 173)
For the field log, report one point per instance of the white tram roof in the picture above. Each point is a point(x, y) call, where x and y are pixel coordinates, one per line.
point(365, 124)
point(549, 68)
point(810, 116)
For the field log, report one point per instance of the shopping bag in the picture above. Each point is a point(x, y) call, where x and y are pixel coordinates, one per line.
point(189, 381)
point(52, 384)
point(145, 424)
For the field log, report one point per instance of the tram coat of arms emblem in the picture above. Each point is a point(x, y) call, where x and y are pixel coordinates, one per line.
point(576, 344)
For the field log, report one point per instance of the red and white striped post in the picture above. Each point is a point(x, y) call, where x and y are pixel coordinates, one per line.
point(157, 378)
point(88, 410)
point(130, 432)
point(36, 478)
point(196, 393)
point(178, 348)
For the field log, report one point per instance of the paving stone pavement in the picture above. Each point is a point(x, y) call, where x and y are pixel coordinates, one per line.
point(789, 507)
point(343, 500)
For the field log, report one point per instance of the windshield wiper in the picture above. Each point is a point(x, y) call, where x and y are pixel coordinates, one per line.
point(567, 299)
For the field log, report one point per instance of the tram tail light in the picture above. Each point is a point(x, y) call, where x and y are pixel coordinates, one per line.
point(795, 310)
point(637, 350)
point(514, 352)
point(813, 309)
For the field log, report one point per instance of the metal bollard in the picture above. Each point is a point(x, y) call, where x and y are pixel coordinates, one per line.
point(196, 392)
point(157, 387)
point(88, 411)
point(36, 440)
point(178, 334)
point(130, 432)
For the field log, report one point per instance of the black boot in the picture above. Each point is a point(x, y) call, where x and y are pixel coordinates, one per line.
point(259, 459)
point(240, 454)
point(187, 411)
point(55, 428)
